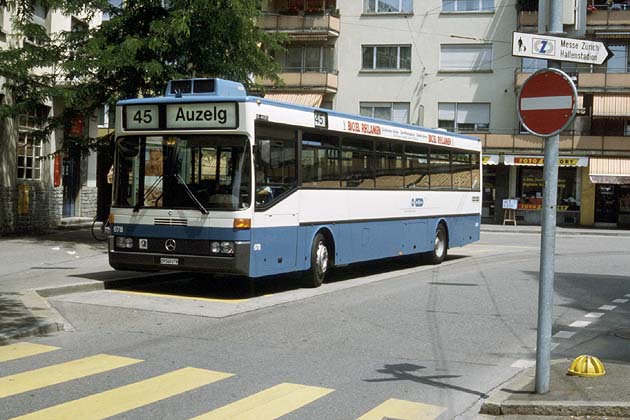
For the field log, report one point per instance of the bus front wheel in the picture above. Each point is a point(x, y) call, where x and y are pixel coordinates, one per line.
point(440, 245)
point(321, 262)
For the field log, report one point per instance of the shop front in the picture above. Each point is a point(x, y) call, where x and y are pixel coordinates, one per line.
point(611, 177)
point(529, 187)
point(489, 196)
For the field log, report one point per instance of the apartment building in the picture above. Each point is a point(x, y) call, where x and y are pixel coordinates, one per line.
point(448, 64)
point(38, 192)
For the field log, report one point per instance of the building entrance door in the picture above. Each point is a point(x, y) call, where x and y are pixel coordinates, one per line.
point(606, 204)
point(71, 183)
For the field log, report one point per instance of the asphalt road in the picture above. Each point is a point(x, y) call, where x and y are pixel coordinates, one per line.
point(401, 338)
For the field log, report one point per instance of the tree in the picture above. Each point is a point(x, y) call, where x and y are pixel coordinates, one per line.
point(141, 46)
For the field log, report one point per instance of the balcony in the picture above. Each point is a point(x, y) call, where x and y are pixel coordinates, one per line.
point(591, 82)
point(316, 27)
point(596, 19)
point(324, 82)
point(574, 143)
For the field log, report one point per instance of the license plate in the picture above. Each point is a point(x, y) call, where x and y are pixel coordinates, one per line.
point(169, 261)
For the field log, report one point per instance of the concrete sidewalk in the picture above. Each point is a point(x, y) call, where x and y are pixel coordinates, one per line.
point(70, 261)
point(56, 263)
point(605, 396)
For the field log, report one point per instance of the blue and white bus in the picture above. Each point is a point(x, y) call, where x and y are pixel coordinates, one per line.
point(210, 179)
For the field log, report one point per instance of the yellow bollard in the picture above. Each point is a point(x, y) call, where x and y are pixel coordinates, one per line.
point(587, 366)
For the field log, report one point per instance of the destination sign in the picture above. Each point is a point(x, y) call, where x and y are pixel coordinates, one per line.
point(201, 115)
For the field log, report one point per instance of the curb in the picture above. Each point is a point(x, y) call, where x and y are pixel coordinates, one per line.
point(498, 403)
point(44, 318)
point(41, 318)
point(559, 232)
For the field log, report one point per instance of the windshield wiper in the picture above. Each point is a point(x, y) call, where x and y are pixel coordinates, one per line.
point(191, 195)
point(153, 186)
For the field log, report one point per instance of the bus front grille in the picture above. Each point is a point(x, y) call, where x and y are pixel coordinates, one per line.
point(165, 221)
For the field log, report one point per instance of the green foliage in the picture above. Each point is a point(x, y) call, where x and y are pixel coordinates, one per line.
point(135, 52)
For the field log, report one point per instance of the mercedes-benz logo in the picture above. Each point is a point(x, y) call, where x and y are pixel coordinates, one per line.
point(170, 245)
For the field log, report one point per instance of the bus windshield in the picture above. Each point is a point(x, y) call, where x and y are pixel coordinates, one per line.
point(210, 172)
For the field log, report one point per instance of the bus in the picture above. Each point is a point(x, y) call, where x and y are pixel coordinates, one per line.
point(210, 179)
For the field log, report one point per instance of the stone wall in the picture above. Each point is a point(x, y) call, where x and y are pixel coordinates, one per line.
point(88, 199)
point(43, 209)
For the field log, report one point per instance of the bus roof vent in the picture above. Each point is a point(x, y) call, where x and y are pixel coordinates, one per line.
point(204, 87)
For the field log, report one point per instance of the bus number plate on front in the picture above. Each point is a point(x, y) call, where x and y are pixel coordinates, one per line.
point(169, 261)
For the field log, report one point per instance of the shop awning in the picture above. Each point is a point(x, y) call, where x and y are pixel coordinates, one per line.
point(537, 160)
point(307, 99)
point(609, 170)
point(611, 105)
point(490, 159)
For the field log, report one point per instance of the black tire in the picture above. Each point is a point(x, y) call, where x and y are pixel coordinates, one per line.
point(101, 230)
point(321, 261)
point(440, 245)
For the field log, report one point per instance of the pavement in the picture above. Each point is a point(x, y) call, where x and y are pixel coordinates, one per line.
point(70, 260)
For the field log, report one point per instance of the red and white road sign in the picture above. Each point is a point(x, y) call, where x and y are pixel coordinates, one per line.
point(547, 102)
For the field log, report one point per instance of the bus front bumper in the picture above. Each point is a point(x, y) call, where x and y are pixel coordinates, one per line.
point(134, 260)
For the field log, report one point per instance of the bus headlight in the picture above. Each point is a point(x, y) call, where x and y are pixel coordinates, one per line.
point(227, 248)
point(124, 242)
point(222, 248)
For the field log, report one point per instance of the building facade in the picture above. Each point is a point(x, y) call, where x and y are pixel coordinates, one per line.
point(448, 64)
point(39, 188)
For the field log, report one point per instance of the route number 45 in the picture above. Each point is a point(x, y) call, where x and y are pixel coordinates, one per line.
point(143, 116)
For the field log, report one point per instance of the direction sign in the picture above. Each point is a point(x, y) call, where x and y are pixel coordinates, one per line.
point(547, 102)
point(560, 49)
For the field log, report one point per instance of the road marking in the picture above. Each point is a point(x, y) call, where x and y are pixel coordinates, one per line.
point(63, 372)
point(594, 315)
point(269, 404)
point(523, 363)
point(403, 410)
point(620, 301)
point(580, 324)
point(564, 334)
point(607, 307)
point(167, 296)
point(19, 350)
point(125, 398)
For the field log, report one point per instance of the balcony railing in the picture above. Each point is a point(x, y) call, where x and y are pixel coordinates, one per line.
point(573, 142)
point(597, 17)
point(324, 24)
point(585, 80)
point(313, 81)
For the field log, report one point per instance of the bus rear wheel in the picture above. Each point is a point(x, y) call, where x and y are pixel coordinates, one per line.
point(440, 245)
point(321, 263)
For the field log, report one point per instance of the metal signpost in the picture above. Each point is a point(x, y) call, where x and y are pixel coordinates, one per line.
point(547, 104)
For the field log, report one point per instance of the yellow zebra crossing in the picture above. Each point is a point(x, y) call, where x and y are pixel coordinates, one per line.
point(268, 404)
point(118, 400)
point(404, 410)
point(19, 350)
point(64, 372)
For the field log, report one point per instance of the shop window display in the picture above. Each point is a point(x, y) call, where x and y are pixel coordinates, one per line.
point(530, 185)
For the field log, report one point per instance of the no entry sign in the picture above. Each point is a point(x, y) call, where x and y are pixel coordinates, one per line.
point(547, 102)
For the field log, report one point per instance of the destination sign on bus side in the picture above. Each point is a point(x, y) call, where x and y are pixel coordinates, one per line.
point(201, 115)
